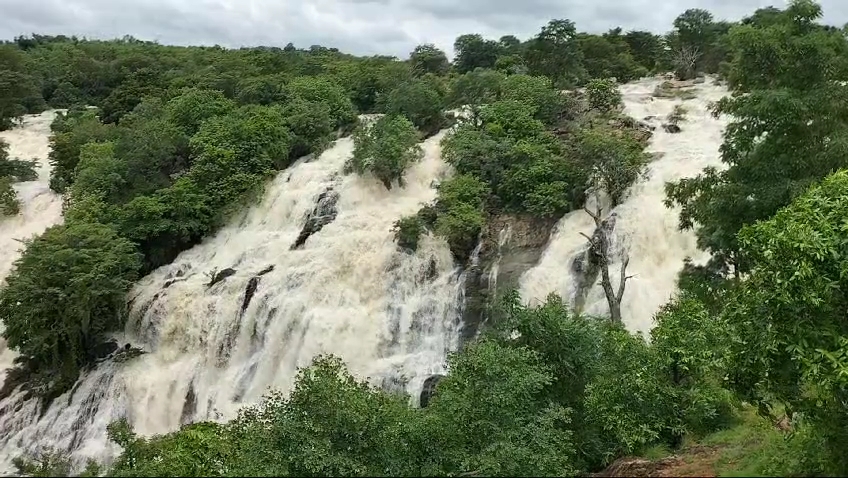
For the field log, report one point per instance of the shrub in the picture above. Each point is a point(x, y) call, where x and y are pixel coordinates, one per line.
point(603, 95)
point(407, 231)
point(386, 149)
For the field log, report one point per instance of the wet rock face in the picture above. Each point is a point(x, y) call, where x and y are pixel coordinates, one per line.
point(324, 213)
point(521, 250)
point(249, 292)
point(671, 128)
point(221, 275)
point(429, 389)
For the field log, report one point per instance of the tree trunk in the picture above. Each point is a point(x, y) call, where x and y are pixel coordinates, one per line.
point(599, 246)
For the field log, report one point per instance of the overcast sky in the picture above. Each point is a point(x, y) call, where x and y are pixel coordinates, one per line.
point(390, 27)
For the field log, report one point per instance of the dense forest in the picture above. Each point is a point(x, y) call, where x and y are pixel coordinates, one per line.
point(159, 145)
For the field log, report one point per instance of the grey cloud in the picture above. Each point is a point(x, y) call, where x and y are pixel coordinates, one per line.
point(359, 26)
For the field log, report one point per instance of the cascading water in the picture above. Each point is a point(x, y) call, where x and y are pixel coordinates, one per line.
point(237, 315)
point(40, 207)
point(643, 227)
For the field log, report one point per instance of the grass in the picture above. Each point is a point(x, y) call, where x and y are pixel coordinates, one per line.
point(751, 446)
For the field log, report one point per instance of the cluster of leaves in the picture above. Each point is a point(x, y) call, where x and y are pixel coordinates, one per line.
point(11, 171)
point(603, 95)
point(386, 149)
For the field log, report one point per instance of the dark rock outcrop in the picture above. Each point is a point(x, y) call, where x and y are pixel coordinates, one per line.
point(104, 349)
point(324, 213)
point(266, 270)
point(221, 275)
point(249, 292)
point(429, 389)
point(523, 241)
point(671, 128)
point(189, 406)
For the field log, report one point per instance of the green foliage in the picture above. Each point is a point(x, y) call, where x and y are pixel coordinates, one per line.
point(321, 90)
point(310, 124)
point(614, 159)
point(422, 104)
point(555, 53)
point(787, 312)
point(9, 204)
point(191, 108)
point(17, 86)
point(428, 59)
point(550, 105)
point(65, 293)
point(386, 149)
point(609, 56)
point(786, 132)
point(603, 95)
point(472, 51)
point(408, 231)
point(476, 88)
point(74, 130)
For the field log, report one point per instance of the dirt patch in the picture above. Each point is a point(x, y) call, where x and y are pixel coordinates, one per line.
point(694, 461)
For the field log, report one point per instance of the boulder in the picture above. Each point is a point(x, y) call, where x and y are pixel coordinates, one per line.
point(429, 389)
point(671, 128)
point(324, 213)
point(221, 275)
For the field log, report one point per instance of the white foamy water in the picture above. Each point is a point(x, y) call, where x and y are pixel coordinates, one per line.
point(40, 207)
point(644, 226)
point(347, 291)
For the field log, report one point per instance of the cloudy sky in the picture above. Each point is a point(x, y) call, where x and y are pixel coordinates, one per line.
point(391, 27)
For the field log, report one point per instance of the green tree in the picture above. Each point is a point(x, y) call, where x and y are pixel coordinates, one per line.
point(786, 316)
point(472, 51)
point(475, 89)
point(603, 95)
point(615, 160)
point(786, 133)
point(17, 86)
point(321, 90)
point(386, 149)
point(65, 293)
point(646, 48)
point(76, 130)
point(421, 102)
point(555, 53)
point(428, 59)
point(193, 106)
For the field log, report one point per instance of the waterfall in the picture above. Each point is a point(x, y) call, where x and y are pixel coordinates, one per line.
point(644, 228)
point(239, 313)
point(40, 207)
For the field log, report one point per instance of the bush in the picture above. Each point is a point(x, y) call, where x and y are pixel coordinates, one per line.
point(66, 292)
point(322, 90)
point(421, 102)
point(678, 114)
point(386, 149)
point(615, 159)
point(191, 108)
point(408, 231)
point(9, 204)
point(603, 95)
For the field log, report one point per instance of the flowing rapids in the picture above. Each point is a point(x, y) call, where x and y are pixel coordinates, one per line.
point(40, 207)
point(644, 228)
point(213, 348)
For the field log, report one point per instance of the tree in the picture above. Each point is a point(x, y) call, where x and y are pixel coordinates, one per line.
point(787, 132)
point(608, 57)
point(428, 59)
point(475, 89)
point(603, 95)
point(65, 293)
point(421, 102)
point(471, 51)
point(555, 53)
point(321, 90)
point(646, 48)
point(78, 128)
point(17, 87)
point(193, 106)
point(787, 314)
point(386, 149)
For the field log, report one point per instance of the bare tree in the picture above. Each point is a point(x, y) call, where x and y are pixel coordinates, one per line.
point(599, 245)
point(684, 62)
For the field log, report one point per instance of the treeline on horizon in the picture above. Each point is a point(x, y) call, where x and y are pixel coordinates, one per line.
point(179, 137)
